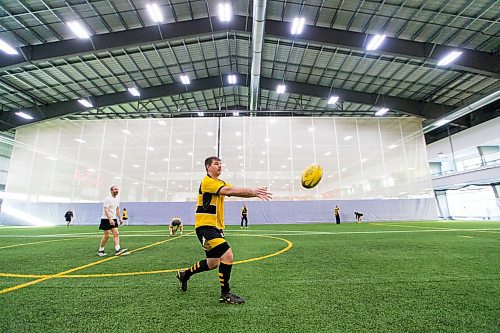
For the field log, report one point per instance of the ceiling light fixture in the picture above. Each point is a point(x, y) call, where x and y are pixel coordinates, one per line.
point(7, 48)
point(381, 112)
point(231, 79)
point(85, 103)
point(134, 92)
point(375, 42)
point(449, 58)
point(281, 88)
point(333, 100)
point(225, 12)
point(185, 79)
point(297, 25)
point(154, 12)
point(24, 115)
point(78, 29)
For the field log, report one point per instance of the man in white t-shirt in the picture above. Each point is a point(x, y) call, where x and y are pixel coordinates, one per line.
point(109, 223)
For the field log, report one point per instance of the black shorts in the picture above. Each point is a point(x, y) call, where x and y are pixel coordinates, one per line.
point(106, 226)
point(175, 223)
point(212, 240)
point(68, 219)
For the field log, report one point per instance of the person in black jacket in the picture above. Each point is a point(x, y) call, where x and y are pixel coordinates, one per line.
point(68, 216)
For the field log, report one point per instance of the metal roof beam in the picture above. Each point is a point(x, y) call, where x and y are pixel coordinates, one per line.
point(57, 110)
point(479, 62)
point(407, 106)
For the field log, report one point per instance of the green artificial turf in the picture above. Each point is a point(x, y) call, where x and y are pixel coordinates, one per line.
point(369, 277)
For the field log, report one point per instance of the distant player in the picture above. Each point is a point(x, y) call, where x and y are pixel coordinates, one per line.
point(125, 216)
point(209, 225)
point(337, 214)
point(358, 216)
point(244, 216)
point(175, 224)
point(68, 216)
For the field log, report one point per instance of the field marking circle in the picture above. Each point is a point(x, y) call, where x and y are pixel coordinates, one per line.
point(37, 276)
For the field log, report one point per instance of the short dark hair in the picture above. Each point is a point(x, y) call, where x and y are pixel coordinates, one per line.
point(111, 188)
point(209, 160)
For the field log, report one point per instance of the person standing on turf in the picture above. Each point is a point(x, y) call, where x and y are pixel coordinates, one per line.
point(209, 226)
point(244, 216)
point(68, 216)
point(109, 223)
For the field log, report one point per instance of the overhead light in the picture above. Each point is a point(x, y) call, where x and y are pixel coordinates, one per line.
point(349, 137)
point(281, 88)
point(231, 79)
point(178, 141)
point(375, 42)
point(297, 25)
point(381, 112)
point(162, 123)
point(80, 141)
point(449, 58)
point(113, 155)
point(85, 103)
point(442, 122)
point(393, 146)
point(225, 12)
point(311, 129)
point(7, 48)
point(24, 115)
point(210, 133)
point(236, 114)
point(151, 148)
point(333, 99)
point(125, 131)
point(185, 79)
point(52, 158)
point(154, 12)
point(200, 114)
point(78, 29)
point(134, 92)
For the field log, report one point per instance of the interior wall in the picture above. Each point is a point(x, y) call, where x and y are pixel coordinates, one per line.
point(161, 160)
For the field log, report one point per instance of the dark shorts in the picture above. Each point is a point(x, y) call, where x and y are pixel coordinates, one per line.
point(106, 226)
point(125, 218)
point(212, 240)
point(68, 219)
point(175, 223)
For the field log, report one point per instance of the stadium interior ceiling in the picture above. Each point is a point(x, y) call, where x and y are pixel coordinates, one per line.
point(133, 44)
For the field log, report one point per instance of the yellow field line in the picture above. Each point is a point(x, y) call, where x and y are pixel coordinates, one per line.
point(47, 241)
point(288, 247)
point(6, 290)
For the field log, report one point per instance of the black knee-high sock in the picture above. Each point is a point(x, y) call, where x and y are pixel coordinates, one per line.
point(224, 276)
point(200, 266)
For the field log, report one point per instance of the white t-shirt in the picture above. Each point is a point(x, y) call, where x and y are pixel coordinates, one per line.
point(112, 204)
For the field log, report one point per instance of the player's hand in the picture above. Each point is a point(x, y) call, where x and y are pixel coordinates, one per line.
point(263, 193)
point(121, 222)
point(111, 222)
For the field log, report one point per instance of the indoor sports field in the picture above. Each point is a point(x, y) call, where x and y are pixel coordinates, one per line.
point(369, 277)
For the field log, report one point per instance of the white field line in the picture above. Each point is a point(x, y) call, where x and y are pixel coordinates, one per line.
point(264, 233)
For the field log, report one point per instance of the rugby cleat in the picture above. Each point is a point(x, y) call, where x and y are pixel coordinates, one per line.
point(101, 253)
point(184, 282)
point(230, 298)
point(121, 252)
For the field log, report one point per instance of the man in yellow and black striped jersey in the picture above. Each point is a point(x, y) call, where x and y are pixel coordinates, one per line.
point(209, 226)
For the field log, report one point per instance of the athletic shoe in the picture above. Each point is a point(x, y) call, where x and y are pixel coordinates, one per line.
point(121, 252)
point(230, 298)
point(184, 282)
point(101, 253)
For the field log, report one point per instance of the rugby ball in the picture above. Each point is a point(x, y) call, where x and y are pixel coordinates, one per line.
point(312, 175)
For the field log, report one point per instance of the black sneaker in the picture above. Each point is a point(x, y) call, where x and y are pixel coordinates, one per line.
point(121, 252)
point(184, 282)
point(101, 253)
point(230, 298)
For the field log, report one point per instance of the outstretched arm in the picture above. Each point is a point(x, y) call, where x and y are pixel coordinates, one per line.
point(259, 192)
